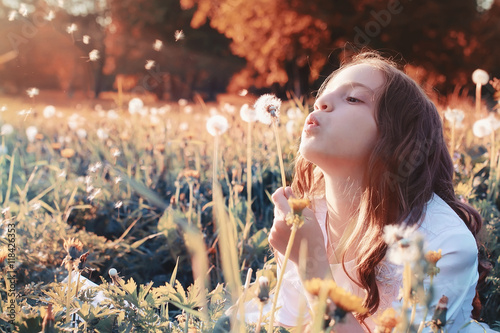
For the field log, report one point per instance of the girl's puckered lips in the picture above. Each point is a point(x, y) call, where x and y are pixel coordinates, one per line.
point(311, 123)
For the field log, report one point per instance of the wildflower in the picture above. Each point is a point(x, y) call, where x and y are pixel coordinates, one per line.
point(31, 133)
point(67, 153)
point(6, 129)
point(157, 45)
point(49, 111)
point(135, 105)
point(50, 16)
point(484, 127)
point(454, 116)
point(248, 114)
point(193, 174)
point(48, 321)
point(263, 290)
point(55, 146)
point(39, 136)
point(480, 76)
point(387, 321)
point(94, 55)
point(178, 35)
point(149, 64)
point(217, 125)
point(432, 258)
point(268, 108)
point(439, 318)
point(32, 92)
point(71, 28)
point(86, 39)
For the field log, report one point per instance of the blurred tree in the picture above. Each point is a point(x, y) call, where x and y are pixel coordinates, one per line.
point(288, 41)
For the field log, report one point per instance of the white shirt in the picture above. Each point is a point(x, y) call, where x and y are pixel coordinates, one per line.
point(442, 229)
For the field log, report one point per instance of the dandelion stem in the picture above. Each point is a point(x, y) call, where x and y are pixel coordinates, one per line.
point(215, 162)
point(280, 156)
point(249, 173)
point(259, 322)
point(422, 323)
point(68, 297)
point(282, 273)
point(77, 284)
point(191, 198)
point(492, 181)
point(478, 98)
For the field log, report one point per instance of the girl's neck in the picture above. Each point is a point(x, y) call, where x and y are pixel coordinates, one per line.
point(342, 193)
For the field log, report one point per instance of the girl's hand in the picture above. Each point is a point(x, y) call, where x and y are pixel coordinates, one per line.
point(310, 232)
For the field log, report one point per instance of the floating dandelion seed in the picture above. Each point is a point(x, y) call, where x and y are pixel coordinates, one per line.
point(268, 108)
point(86, 39)
point(178, 35)
point(71, 28)
point(116, 152)
point(32, 92)
point(118, 204)
point(95, 167)
point(94, 194)
point(93, 55)
point(118, 179)
point(23, 10)
point(149, 64)
point(62, 174)
point(36, 206)
point(12, 15)
point(217, 125)
point(158, 44)
point(243, 92)
point(24, 112)
point(50, 16)
point(5, 210)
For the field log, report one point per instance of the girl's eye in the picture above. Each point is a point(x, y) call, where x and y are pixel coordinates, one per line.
point(353, 100)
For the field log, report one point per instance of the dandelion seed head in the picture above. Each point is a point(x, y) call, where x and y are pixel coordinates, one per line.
point(102, 133)
point(454, 116)
point(6, 129)
point(178, 35)
point(86, 39)
point(23, 9)
point(158, 44)
point(135, 105)
point(71, 28)
point(188, 109)
point(94, 55)
point(217, 125)
point(149, 64)
point(248, 114)
point(484, 127)
point(480, 76)
point(182, 102)
point(268, 108)
point(31, 133)
point(49, 111)
point(32, 92)
point(81, 133)
point(113, 272)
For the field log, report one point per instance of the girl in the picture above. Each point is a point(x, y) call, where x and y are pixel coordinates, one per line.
point(372, 154)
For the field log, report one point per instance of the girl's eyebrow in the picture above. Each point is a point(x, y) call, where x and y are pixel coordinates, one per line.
point(353, 84)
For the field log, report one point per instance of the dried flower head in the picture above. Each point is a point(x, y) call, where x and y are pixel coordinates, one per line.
point(73, 246)
point(298, 205)
point(433, 256)
point(480, 76)
point(67, 153)
point(387, 321)
point(267, 107)
point(217, 125)
point(113, 274)
point(263, 290)
point(439, 318)
point(188, 173)
point(49, 111)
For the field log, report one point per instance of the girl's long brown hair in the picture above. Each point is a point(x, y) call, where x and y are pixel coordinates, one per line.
point(409, 163)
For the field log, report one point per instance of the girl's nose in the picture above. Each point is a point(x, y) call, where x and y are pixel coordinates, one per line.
point(323, 104)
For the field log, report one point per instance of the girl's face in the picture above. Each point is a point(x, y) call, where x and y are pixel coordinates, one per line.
point(342, 129)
